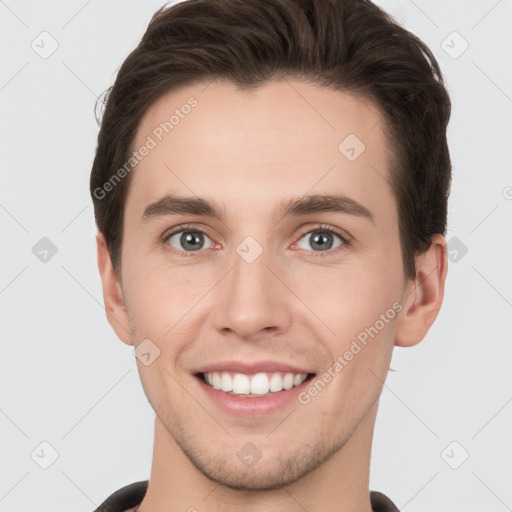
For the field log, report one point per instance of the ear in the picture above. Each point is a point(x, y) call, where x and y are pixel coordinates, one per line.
point(424, 295)
point(112, 293)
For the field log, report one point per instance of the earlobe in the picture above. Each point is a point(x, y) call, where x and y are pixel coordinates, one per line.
point(424, 296)
point(112, 293)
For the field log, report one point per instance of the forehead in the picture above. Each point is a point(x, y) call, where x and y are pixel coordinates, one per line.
point(282, 139)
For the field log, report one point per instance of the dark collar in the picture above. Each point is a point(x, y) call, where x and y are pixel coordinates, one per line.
point(131, 495)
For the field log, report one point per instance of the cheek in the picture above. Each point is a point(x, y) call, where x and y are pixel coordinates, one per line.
point(163, 300)
point(350, 299)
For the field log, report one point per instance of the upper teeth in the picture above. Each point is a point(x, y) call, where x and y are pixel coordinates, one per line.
point(258, 384)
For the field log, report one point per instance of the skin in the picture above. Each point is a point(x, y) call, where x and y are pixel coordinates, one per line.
point(248, 150)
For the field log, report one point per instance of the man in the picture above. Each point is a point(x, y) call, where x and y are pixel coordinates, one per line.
point(270, 189)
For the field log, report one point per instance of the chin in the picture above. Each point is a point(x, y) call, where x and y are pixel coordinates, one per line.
point(267, 473)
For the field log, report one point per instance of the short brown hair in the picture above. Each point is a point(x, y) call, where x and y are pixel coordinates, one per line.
point(348, 45)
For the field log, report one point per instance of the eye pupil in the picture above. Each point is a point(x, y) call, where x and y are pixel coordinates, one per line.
point(188, 239)
point(325, 238)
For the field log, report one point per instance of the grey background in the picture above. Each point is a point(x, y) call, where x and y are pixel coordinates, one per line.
point(65, 379)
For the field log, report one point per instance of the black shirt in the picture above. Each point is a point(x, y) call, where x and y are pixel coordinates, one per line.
point(132, 495)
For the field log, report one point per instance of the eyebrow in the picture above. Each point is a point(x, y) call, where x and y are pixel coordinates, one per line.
point(171, 204)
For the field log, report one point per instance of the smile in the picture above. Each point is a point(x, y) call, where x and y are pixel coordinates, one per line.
point(253, 385)
point(252, 395)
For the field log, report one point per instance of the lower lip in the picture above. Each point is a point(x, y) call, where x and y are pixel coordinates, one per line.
point(251, 406)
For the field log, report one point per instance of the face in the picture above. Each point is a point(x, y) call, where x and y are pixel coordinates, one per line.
point(285, 280)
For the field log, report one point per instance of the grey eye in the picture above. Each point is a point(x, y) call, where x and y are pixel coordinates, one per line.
point(189, 240)
point(320, 240)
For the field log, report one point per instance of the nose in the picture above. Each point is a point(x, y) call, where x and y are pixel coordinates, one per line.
point(252, 301)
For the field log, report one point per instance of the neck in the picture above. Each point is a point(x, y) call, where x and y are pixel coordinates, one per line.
point(338, 484)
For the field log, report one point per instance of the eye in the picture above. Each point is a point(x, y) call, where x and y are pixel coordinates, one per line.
point(191, 240)
point(322, 239)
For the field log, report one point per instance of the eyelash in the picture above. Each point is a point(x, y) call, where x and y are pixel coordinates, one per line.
point(320, 228)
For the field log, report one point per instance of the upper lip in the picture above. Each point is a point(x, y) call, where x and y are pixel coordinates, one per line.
point(250, 367)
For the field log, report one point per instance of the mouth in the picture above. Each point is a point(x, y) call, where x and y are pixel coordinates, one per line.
point(253, 385)
point(251, 392)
